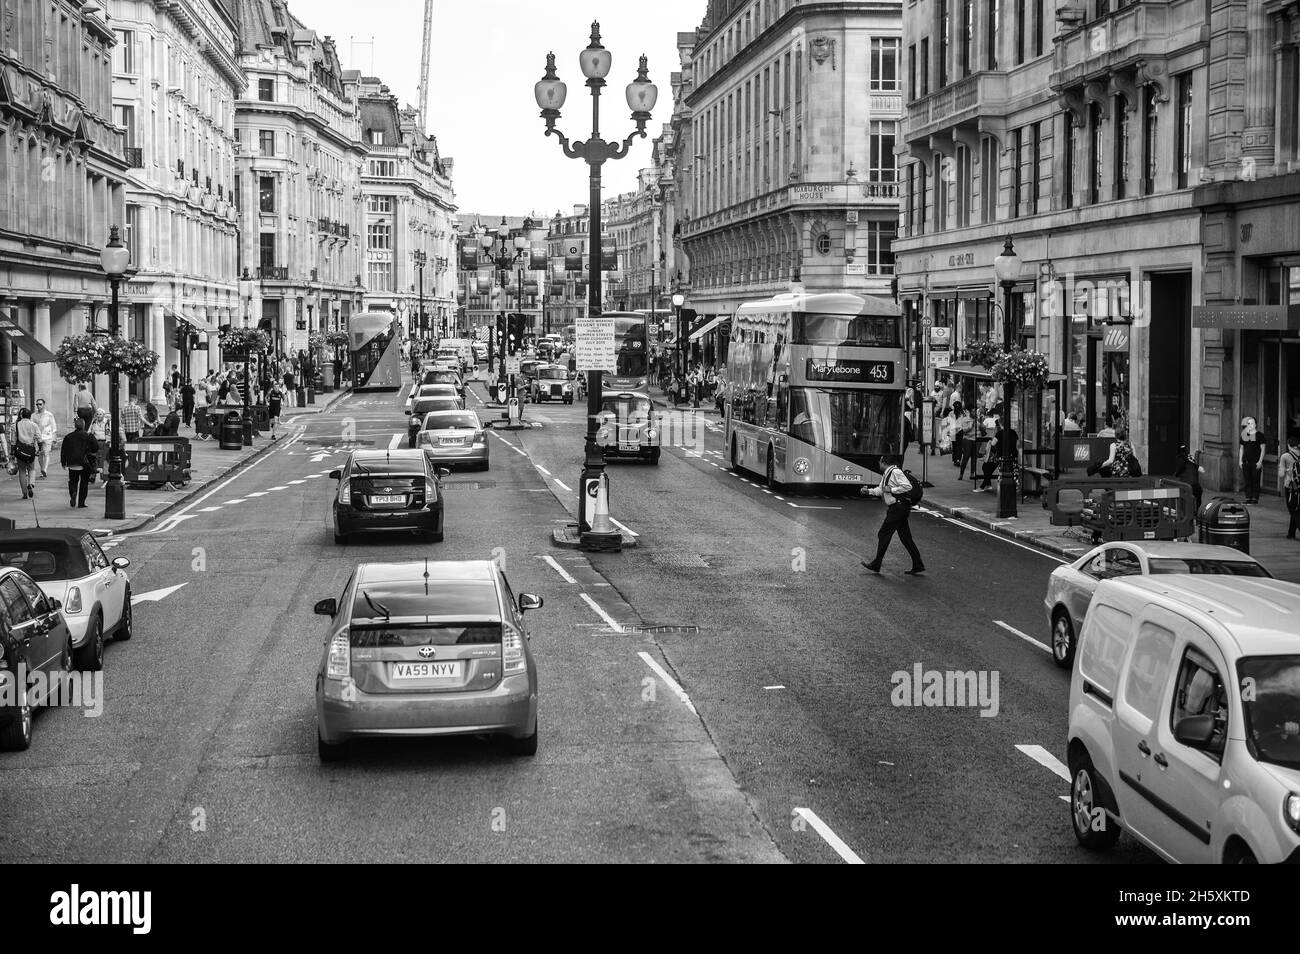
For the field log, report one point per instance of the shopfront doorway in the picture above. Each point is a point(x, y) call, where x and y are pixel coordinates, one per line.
point(1169, 380)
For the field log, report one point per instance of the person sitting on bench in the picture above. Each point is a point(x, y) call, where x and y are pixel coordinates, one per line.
point(998, 449)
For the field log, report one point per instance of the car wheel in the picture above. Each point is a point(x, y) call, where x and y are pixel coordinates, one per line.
point(330, 751)
point(526, 745)
point(1062, 639)
point(17, 736)
point(1239, 854)
point(654, 456)
point(1085, 799)
point(124, 634)
point(90, 657)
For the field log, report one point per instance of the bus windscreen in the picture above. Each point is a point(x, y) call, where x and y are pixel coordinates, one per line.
point(846, 423)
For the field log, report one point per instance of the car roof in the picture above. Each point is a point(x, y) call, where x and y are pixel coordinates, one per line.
point(397, 455)
point(610, 393)
point(451, 412)
point(1188, 551)
point(39, 535)
point(439, 571)
point(1257, 615)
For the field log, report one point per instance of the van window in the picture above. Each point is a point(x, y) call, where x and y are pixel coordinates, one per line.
point(1149, 668)
point(1200, 691)
point(1270, 700)
point(1122, 562)
point(1103, 641)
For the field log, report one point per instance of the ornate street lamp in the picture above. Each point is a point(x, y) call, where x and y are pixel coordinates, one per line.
point(421, 259)
point(680, 364)
point(509, 250)
point(114, 259)
point(550, 92)
point(1007, 269)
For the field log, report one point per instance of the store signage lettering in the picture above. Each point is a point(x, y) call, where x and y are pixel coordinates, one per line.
point(1115, 340)
point(1247, 317)
point(812, 193)
point(847, 371)
point(965, 258)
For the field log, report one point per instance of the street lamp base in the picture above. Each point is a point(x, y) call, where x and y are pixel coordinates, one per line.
point(248, 432)
point(114, 498)
point(602, 542)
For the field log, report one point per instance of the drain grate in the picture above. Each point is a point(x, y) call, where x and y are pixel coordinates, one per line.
point(679, 561)
point(450, 485)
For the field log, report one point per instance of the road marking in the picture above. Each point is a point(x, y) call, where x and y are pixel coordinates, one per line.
point(153, 596)
point(614, 624)
point(281, 487)
point(567, 488)
point(397, 439)
point(1045, 759)
point(559, 569)
point(297, 481)
point(779, 497)
point(256, 493)
point(209, 510)
point(542, 469)
point(312, 476)
point(965, 524)
point(774, 687)
point(669, 681)
point(231, 503)
point(832, 839)
point(623, 527)
point(1026, 637)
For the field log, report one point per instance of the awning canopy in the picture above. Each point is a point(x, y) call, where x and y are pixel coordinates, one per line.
point(197, 324)
point(707, 326)
point(968, 369)
point(25, 342)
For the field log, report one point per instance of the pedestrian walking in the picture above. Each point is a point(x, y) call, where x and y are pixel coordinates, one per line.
point(1288, 465)
point(274, 405)
point(896, 489)
point(83, 402)
point(26, 440)
point(288, 388)
point(132, 419)
point(187, 402)
point(1251, 458)
point(79, 456)
point(49, 433)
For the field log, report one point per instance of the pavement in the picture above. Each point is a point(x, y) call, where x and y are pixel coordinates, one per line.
point(208, 464)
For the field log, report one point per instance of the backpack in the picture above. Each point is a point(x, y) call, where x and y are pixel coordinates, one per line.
point(912, 496)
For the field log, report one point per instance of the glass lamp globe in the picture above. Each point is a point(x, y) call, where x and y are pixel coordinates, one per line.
point(1007, 265)
point(641, 93)
point(115, 257)
point(550, 90)
point(595, 60)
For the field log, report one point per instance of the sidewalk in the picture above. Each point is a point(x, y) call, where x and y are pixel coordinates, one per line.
point(1268, 520)
point(208, 464)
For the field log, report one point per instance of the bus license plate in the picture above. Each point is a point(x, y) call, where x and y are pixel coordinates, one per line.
point(852, 478)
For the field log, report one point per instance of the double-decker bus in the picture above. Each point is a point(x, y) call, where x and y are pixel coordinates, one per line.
point(816, 388)
point(376, 348)
point(631, 353)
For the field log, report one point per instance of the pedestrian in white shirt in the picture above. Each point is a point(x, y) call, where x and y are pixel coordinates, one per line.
point(893, 485)
point(47, 433)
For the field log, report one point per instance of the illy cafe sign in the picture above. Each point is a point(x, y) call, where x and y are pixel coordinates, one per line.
point(1247, 317)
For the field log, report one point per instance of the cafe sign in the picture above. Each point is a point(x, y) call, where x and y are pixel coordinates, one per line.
point(1115, 340)
point(1247, 317)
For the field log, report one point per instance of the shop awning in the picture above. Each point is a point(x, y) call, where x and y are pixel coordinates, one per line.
point(25, 342)
point(703, 329)
point(968, 369)
point(198, 324)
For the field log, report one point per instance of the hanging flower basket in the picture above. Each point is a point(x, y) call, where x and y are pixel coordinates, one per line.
point(315, 341)
point(983, 353)
point(1025, 369)
point(336, 339)
point(250, 340)
point(80, 357)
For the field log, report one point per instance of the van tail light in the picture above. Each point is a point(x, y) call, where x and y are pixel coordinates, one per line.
point(345, 491)
point(340, 658)
point(512, 650)
point(73, 603)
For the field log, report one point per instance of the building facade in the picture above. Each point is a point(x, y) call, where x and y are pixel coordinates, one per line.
point(410, 216)
point(62, 185)
point(175, 83)
point(1081, 135)
point(566, 246)
point(484, 291)
point(785, 125)
point(298, 179)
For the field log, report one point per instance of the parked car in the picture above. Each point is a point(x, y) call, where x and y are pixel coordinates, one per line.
point(1070, 587)
point(527, 367)
point(1184, 726)
point(69, 566)
point(35, 654)
point(454, 437)
point(427, 648)
point(551, 383)
point(385, 490)
point(626, 426)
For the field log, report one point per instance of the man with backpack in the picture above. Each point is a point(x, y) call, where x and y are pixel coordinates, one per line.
point(900, 491)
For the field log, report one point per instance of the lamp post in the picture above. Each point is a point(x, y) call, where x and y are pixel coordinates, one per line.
point(508, 251)
point(114, 258)
point(550, 92)
point(421, 259)
point(679, 365)
point(1007, 269)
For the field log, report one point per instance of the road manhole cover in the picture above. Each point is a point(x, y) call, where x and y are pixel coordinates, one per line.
point(678, 561)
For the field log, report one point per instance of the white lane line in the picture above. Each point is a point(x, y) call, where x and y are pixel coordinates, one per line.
point(209, 509)
point(297, 481)
point(669, 681)
point(832, 839)
point(774, 687)
point(567, 488)
point(396, 439)
point(312, 476)
point(256, 493)
point(564, 574)
point(1025, 636)
point(812, 507)
point(624, 527)
point(542, 469)
point(153, 596)
point(1045, 759)
point(281, 487)
point(967, 525)
point(779, 497)
point(795, 505)
point(613, 623)
point(237, 500)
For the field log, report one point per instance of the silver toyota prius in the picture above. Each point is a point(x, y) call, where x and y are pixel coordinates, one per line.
point(426, 649)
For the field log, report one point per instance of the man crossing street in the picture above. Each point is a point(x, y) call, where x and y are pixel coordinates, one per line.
point(892, 486)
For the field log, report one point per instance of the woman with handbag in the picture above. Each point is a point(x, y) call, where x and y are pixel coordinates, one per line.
point(1289, 475)
point(79, 456)
point(26, 437)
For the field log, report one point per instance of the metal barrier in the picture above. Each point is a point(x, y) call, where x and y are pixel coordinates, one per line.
point(156, 461)
point(1123, 508)
point(1066, 497)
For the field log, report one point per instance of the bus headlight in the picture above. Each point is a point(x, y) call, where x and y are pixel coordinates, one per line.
point(802, 465)
point(651, 433)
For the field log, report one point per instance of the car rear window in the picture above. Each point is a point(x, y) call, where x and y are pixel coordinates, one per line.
point(410, 602)
point(46, 561)
point(425, 405)
point(1196, 565)
point(450, 420)
point(371, 635)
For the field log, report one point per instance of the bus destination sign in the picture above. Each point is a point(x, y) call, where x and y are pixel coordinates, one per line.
point(850, 371)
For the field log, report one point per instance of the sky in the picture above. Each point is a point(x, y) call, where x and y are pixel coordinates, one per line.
point(486, 56)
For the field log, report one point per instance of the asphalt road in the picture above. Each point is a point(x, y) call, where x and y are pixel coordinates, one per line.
point(746, 715)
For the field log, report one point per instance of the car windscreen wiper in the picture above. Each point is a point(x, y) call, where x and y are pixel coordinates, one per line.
point(378, 607)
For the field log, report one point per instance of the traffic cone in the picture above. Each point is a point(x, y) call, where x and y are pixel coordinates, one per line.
point(600, 522)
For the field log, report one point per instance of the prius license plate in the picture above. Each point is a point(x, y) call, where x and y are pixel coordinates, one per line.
point(427, 670)
point(388, 499)
point(851, 478)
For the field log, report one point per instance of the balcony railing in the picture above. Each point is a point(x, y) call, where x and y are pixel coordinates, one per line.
point(134, 157)
point(273, 273)
point(963, 101)
point(330, 227)
point(880, 190)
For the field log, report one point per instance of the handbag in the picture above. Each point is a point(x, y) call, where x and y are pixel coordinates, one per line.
point(24, 452)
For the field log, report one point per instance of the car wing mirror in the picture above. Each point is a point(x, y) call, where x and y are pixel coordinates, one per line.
point(120, 563)
point(55, 604)
point(329, 607)
point(444, 472)
point(529, 601)
point(335, 474)
point(1195, 731)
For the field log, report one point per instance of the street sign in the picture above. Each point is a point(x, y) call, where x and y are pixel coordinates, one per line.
point(512, 364)
point(501, 393)
point(595, 343)
point(926, 322)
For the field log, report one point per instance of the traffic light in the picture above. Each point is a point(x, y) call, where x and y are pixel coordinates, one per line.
point(180, 338)
point(501, 328)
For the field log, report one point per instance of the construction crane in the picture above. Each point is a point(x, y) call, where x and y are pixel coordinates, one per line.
point(424, 66)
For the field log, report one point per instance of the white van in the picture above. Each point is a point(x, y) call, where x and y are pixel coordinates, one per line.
point(1185, 718)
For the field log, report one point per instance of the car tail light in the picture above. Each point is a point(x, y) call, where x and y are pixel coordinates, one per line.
point(425, 437)
point(345, 491)
point(430, 490)
point(512, 650)
point(73, 603)
point(340, 658)
point(478, 437)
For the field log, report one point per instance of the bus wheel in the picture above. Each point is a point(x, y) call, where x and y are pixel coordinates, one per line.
point(771, 470)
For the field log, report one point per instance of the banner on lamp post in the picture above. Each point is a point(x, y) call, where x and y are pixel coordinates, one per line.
point(537, 258)
point(468, 253)
point(609, 258)
point(573, 257)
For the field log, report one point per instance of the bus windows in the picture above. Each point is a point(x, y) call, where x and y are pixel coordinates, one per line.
point(847, 330)
point(847, 424)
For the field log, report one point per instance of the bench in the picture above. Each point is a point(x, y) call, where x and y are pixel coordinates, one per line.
point(1028, 472)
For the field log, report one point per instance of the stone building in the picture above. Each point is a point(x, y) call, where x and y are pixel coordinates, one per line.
point(566, 246)
point(62, 185)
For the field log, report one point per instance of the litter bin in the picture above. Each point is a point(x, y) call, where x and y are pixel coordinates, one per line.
point(1226, 522)
point(232, 431)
